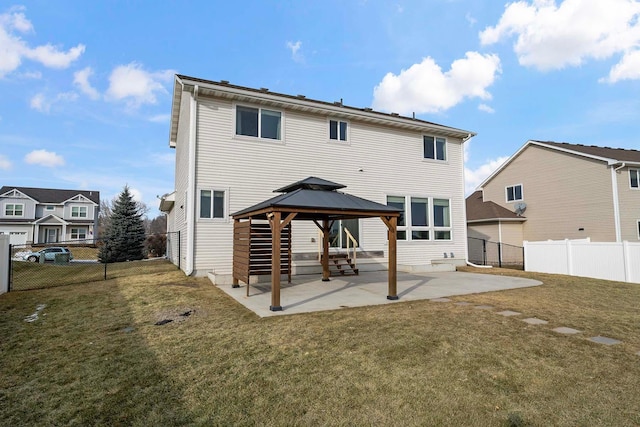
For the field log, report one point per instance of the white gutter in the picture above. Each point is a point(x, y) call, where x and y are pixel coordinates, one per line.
point(190, 205)
point(616, 201)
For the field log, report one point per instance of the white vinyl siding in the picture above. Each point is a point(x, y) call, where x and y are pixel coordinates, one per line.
point(378, 161)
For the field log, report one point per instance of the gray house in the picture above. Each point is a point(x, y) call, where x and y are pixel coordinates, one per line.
point(43, 215)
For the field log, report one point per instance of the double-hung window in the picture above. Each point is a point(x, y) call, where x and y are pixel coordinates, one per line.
point(514, 193)
point(78, 212)
point(434, 147)
point(634, 178)
point(212, 204)
point(258, 122)
point(338, 130)
point(426, 218)
point(78, 233)
point(14, 209)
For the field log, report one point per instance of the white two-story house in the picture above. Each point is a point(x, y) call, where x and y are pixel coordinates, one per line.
point(235, 145)
point(43, 215)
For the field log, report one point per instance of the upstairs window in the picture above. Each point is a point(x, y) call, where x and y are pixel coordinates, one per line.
point(258, 122)
point(211, 204)
point(13, 209)
point(337, 130)
point(514, 193)
point(78, 212)
point(435, 148)
point(634, 178)
point(49, 208)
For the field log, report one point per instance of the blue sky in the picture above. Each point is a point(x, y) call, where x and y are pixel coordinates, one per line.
point(85, 87)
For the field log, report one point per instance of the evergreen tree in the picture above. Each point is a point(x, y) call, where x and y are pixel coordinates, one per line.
point(124, 235)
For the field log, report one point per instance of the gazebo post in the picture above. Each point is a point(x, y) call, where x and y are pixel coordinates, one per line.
point(275, 262)
point(236, 284)
point(392, 225)
point(325, 251)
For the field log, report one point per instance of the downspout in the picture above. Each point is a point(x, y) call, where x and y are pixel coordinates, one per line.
point(464, 203)
point(616, 201)
point(191, 189)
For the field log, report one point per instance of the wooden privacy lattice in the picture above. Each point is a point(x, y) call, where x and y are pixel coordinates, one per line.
point(252, 243)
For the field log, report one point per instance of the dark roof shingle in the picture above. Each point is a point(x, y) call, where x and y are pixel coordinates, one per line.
point(478, 210)
point(51, 195)
point(620, 154)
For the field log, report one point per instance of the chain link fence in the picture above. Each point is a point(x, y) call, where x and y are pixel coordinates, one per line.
point(65, 263)
point(485, 252)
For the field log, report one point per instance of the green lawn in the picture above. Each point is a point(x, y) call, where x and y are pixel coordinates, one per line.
point(94, 356)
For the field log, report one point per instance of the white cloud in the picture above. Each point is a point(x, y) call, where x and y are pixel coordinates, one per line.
point(424, 88)
point(13, 48)
point(486, 108)
point(163, 159)
point(136, 194)
point(137, 86)
point(44, 158)
point(553, 37)
point(627, 69)
point(5, 164)
point(296, 54)
point(160, 118)
point(473, 177)
point(470, 19)
point(40, 102)
point(81, 80)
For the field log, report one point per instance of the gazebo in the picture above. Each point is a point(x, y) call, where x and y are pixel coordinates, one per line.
point(311, 199)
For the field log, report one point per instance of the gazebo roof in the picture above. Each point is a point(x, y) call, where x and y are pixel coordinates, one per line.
point(316, 198)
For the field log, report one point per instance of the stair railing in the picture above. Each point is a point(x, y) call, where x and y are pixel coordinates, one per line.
point(351, 241)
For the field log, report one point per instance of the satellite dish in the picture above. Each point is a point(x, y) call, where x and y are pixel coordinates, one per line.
point(520, 208)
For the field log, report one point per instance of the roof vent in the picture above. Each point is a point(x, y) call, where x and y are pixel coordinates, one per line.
point(368, 109)
point(301, 96)
point(224, 82)
point(395, 114)
point(264, 89)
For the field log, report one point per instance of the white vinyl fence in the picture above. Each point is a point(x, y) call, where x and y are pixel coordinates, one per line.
point(600, 260)
point(4, 263)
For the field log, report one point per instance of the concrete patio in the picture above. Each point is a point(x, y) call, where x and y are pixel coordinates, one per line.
point(308, 293)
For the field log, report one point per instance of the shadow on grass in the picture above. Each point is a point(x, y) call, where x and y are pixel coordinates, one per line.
point(84, 361)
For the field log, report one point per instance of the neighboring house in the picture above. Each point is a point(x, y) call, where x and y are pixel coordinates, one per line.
point(552, 190)
point(235, 145)
point(43, 215)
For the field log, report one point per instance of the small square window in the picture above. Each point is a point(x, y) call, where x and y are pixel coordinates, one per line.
point(634, 178)
point(211, 204)
point(514, 193)
point(338, 130)
point(435, 148)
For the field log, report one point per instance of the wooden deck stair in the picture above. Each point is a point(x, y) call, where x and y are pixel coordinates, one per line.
point(341, 264)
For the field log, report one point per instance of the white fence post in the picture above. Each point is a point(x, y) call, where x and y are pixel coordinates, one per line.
point(626, 256)
point(4, 263)
point(569, 257)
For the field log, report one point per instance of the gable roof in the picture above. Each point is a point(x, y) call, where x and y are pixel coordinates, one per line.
point(480, 211)
point(323, 201)
point(615, 154)
point(50, 195)
point(298, 102)
point(611, 156)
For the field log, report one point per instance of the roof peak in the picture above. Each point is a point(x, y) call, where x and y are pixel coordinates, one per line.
point(311, 183)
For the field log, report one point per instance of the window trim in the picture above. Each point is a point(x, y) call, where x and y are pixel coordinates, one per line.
point(236, 135)
point(86, 213)
point(77, 232)
point(408, 228)
point(637, 171)
point(435, 149)
point(225, 207)
point(13, 214)
point(506, 193)
point(638, 228)
point(347, 140)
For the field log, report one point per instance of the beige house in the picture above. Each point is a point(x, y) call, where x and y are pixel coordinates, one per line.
point(551, 190)
point(235, 145)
